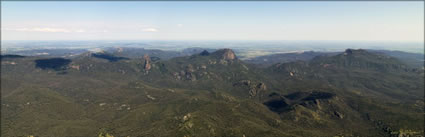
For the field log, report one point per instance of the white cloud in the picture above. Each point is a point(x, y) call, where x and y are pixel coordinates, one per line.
point(179, 25)
point(38, 29)
point(150, 30)
point(44, 30)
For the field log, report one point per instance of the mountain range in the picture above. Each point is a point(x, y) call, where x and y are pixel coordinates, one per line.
point(208, 92)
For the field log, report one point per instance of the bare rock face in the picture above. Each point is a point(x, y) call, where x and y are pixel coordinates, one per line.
point(338, 114)
point(203, 67)
point(77, 67)
point(189, 73)
point(229, 54)
point(212, 62)
point(186, 74)
point(254, 89)
point(147, 65)
point(261, 86)
point(224, 56)
point(189, 68)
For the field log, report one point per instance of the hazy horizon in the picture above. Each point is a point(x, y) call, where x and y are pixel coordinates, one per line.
point(265, 46)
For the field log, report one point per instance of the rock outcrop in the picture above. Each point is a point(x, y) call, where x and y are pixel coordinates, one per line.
point(186, 74)
point(362, 59)
point(189, 73)
point(77, 67)
point(228, 54)
point(224, 56)
point(254, 89)
point(147, 62)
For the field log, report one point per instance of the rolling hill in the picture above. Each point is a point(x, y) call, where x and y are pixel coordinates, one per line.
point(210, 93)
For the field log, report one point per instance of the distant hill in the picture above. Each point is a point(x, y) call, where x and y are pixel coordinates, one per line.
point(412, 59)
point(161, 54)
point(129, 92)
point(269, 60)
point(128, 52)
point(11, 56)
point(48, 52)
point(364, 79)
point(361, 59)
point(196, 50)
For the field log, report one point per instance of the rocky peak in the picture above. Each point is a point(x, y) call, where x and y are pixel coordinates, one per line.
point(224, 54)
point(348, 52)
point(361, 59)
point(228, 54)
point(147, 64)
point(355, 52)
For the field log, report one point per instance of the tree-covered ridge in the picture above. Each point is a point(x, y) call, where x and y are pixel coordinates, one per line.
point(212, 94)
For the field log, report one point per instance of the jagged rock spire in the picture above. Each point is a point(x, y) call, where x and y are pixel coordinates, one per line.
point(147, 66)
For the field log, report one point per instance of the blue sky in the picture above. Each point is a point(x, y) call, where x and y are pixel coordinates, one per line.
point(209, 20)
